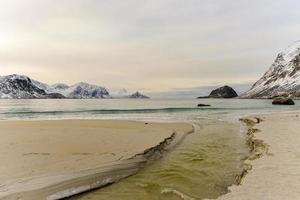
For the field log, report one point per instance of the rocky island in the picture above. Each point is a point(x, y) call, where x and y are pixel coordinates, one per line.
point(222, 92)
point(137, 95)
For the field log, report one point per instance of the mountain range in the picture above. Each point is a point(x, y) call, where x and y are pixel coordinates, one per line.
point(282, 79)
point(22, 87)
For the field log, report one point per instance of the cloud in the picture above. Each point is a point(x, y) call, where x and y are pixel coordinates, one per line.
point(149, 44)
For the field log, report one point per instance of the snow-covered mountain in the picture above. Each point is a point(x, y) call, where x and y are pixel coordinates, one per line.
point(80, 91)
point(22, 87)
point(283, 77)
point(124, 94)
point(58, 86)
point(119, 93)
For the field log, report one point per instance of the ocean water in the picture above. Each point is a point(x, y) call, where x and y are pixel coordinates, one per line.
point(203, 166)
point(148, 109)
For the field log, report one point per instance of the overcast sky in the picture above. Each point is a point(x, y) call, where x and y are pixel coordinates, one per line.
point(148, 45)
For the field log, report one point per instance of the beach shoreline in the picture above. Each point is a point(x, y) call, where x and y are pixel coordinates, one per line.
point(265, 133)
point(57, 159)
point(272, 168)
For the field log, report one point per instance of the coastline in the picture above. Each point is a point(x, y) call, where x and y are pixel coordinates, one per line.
point(51, 169)
point(264, 134)
point(272, 168)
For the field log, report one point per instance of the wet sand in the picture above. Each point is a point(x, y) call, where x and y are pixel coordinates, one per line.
point(275, 161)
point(54, 159)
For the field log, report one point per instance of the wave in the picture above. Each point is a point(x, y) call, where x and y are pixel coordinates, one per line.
point(120, 111)
point(177, 193)
point(110, 111)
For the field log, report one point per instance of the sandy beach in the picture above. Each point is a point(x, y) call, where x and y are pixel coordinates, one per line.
point(54, 159)
point(275, 170)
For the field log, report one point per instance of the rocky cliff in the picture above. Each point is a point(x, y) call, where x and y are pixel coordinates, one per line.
point(282, 78)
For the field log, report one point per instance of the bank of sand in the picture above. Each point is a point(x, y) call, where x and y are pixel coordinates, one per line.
point(276, 174)
point(54, 159)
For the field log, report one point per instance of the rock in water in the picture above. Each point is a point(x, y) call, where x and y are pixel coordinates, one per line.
point(55, 96)
point(203, 105)
point(137, 95)
point(222, 92)
point(283, 101)
point(282, 77)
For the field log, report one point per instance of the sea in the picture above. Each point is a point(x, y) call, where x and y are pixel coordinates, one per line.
point(203, 166)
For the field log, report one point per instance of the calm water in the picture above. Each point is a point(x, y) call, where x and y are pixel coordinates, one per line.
point(133, 109)
point(203, 166)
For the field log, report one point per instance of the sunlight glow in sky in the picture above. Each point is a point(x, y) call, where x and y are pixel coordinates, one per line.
point(148, 45)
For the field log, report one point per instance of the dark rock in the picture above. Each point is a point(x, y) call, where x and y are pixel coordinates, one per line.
point(138, 95)
point(222, 92)
point(283, 101)
point(203, 97)
point(55, 96)
point(203, 105)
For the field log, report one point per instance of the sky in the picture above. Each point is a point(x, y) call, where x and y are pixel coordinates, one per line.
point(147, 45)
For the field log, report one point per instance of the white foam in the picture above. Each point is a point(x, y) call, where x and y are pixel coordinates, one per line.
point(177, 193)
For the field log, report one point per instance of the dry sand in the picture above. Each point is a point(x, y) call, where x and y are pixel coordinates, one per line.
point(52, 159)
point(275, 175)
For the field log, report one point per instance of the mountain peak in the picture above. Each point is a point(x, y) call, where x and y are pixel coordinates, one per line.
point(292, 51)
point(17, 76)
